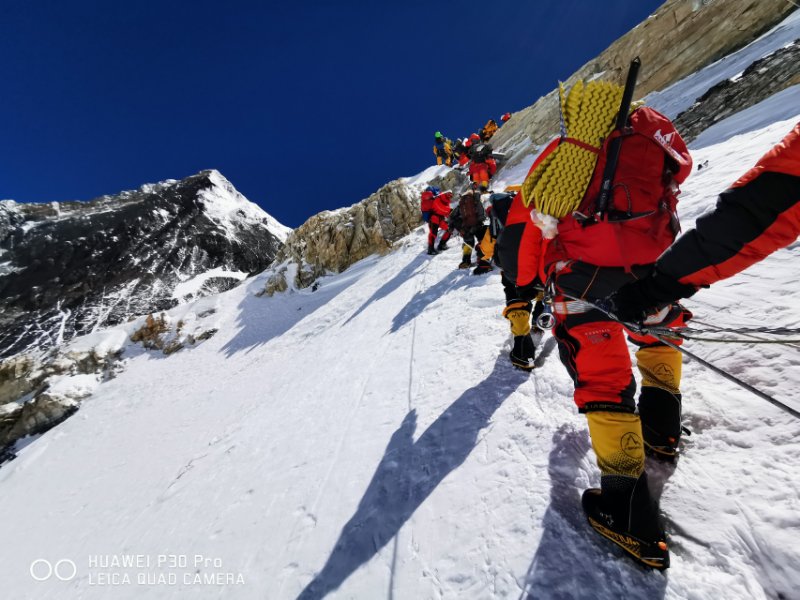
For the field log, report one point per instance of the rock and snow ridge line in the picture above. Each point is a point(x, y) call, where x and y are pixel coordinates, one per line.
point(115, 257)
point(223, 202)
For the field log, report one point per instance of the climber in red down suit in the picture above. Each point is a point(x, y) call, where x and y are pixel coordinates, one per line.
point(435, 207)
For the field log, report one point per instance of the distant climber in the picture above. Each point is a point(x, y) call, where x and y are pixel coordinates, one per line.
point(483, 166)
point(426, 202)
point(460, 152)
point(505, 118)
point(442, 149)
point(469, 219)
point(437, 205)
point(523, 304)
point(488, 130)
point(486, 241)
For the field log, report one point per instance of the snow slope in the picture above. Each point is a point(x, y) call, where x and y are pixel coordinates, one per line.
point(369, 439)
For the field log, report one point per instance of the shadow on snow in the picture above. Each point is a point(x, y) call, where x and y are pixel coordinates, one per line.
point(423, 298)
point(395, 282)
point(409, 472)
point(572, 561)
point(262, 318)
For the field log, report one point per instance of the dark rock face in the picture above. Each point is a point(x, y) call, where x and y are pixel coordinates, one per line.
point(762, 79)
point(68, 268)
point(454, 180)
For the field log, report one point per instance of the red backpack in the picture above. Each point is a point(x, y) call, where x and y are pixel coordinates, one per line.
point(426, 201)
point(641, 220)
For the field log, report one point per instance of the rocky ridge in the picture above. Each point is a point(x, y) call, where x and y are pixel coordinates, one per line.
point(72, 268)
point(331, 241)
point(759, 81)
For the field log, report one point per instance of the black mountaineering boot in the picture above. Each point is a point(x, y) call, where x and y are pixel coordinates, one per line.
point(523, 354)
point(484, 266)
point(625, 513)
point(623, 509)
point(431, 250)
point(660, 412)
point(442, 246)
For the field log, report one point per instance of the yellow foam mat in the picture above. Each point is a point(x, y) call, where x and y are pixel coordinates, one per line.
point(557, 186)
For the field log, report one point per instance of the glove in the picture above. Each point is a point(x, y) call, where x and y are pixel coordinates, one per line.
point(633, 302)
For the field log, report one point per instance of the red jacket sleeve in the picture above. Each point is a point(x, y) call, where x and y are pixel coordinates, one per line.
point(758, 215)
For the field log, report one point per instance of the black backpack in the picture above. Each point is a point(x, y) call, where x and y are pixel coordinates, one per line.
point(480, 152)
point(471, 209)
point(501, 204)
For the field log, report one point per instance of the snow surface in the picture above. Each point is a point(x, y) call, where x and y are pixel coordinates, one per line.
point(74, 387)
point(427, 175)
point(370, 439)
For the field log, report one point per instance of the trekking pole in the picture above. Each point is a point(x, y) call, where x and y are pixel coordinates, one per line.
point(616, 143)
point(743, 384)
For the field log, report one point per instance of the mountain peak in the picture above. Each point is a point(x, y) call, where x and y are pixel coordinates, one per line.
point(227, 206)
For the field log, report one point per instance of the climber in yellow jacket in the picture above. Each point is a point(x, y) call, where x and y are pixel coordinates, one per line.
point(442, 149)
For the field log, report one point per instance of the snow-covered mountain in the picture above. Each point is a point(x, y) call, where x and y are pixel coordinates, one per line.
point(367, 437)
point(69, 268)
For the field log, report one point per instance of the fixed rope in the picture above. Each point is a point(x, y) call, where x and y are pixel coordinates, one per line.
point(660, 333)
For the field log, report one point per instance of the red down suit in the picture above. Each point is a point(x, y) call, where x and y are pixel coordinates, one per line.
point(588, 260)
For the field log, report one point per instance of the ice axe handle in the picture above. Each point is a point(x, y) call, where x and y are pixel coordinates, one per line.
point(614, 146)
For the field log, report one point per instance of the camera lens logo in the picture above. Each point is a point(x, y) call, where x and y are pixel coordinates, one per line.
point(64, 570)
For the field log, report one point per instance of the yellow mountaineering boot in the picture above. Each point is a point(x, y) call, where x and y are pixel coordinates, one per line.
point(623, 510)
point(660, 400)
point(523, 353)
point(466, 257)
point(485, 251)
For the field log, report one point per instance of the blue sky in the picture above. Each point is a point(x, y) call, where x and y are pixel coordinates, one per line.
point(303, 105)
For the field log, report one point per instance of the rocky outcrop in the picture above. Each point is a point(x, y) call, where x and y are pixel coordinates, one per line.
point(28, 406)
point(40, 390)
point(72, 267)
point(680, 38)
point(329, 242)
point(758, 82)
point(454, 180)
